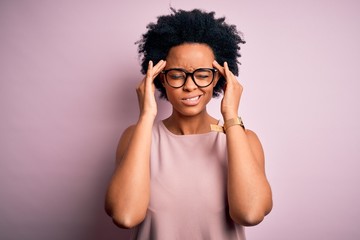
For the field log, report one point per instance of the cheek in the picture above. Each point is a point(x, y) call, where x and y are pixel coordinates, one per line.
point(209, 93)
point(170, 93)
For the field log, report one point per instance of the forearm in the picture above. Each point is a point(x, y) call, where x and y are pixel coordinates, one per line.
point(249, 193)
point(129, 190)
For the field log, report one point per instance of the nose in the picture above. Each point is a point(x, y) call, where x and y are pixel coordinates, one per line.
point(189, 83)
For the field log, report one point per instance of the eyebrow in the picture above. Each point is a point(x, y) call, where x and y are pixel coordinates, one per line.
point(182, 69)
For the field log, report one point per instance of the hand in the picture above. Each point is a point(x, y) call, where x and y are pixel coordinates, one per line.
point(232, 92)
point(146, 89)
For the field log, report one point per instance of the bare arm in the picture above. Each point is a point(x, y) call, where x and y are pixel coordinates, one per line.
point(249, 193)
point(128, 193)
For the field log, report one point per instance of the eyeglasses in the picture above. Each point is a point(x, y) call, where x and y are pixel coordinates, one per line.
point(202, 77)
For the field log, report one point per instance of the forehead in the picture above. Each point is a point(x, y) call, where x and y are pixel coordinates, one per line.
point(190, 56)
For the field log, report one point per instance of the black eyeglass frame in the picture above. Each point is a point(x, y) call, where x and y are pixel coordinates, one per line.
point(191, 74)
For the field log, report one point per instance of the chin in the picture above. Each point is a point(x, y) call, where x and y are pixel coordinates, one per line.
point(190, 112)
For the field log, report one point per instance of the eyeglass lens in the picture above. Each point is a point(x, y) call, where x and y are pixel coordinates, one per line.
point(177, 77)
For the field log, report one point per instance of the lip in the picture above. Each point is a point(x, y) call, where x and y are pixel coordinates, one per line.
point(191, 100)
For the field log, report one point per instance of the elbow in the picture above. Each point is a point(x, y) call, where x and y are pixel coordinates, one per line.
point(125, 219)
point(253, 214)
point(249, 218)
point(125, 216)
point(126, 222)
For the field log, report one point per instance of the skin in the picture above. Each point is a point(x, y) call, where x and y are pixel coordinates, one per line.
point(249, 193)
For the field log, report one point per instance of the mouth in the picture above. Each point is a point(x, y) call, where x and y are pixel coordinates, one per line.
point(191, 101)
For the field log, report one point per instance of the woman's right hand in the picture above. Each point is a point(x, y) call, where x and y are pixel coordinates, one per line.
point(146, 89)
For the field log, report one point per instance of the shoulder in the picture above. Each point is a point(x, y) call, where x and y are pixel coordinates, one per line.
point(255, 145)
point(252, 136)
point(124, 141)
point(128, 132)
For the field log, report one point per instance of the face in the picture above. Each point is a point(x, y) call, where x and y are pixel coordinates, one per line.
point(190, 99)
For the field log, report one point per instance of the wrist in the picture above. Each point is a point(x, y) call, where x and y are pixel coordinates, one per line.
point(233, 122)
point(229, 116)
point(147, 117)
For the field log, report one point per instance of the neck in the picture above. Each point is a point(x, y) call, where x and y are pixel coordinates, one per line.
point(186, 125)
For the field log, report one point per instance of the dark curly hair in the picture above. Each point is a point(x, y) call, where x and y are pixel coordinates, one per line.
point(196, 26)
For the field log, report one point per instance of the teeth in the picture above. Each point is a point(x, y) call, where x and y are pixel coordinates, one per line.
point(192, 99)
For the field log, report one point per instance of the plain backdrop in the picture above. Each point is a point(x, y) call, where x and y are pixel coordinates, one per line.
point(68, 71)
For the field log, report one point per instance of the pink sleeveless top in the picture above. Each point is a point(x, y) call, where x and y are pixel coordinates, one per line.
point(188, 197)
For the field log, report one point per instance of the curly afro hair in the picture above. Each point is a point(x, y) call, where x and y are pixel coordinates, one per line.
point(196, 26)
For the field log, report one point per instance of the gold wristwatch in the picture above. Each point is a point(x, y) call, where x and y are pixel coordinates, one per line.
point(233, 122)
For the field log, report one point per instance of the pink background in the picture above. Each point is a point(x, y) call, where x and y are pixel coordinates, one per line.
point(68, 70)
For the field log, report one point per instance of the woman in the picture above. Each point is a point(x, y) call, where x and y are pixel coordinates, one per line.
point(187, 176)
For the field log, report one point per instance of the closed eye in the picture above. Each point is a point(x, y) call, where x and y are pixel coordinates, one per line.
point(176, 76)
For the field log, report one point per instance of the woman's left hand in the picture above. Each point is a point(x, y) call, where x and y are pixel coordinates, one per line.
point(232, 92)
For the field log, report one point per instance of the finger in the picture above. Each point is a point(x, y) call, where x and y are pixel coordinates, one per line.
point(159, 64)
point(149, 74)
point(149, 70)
point(158, 68)
point(228, 74)
point(227, 70)
point(153, 71)
point(219, 67)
